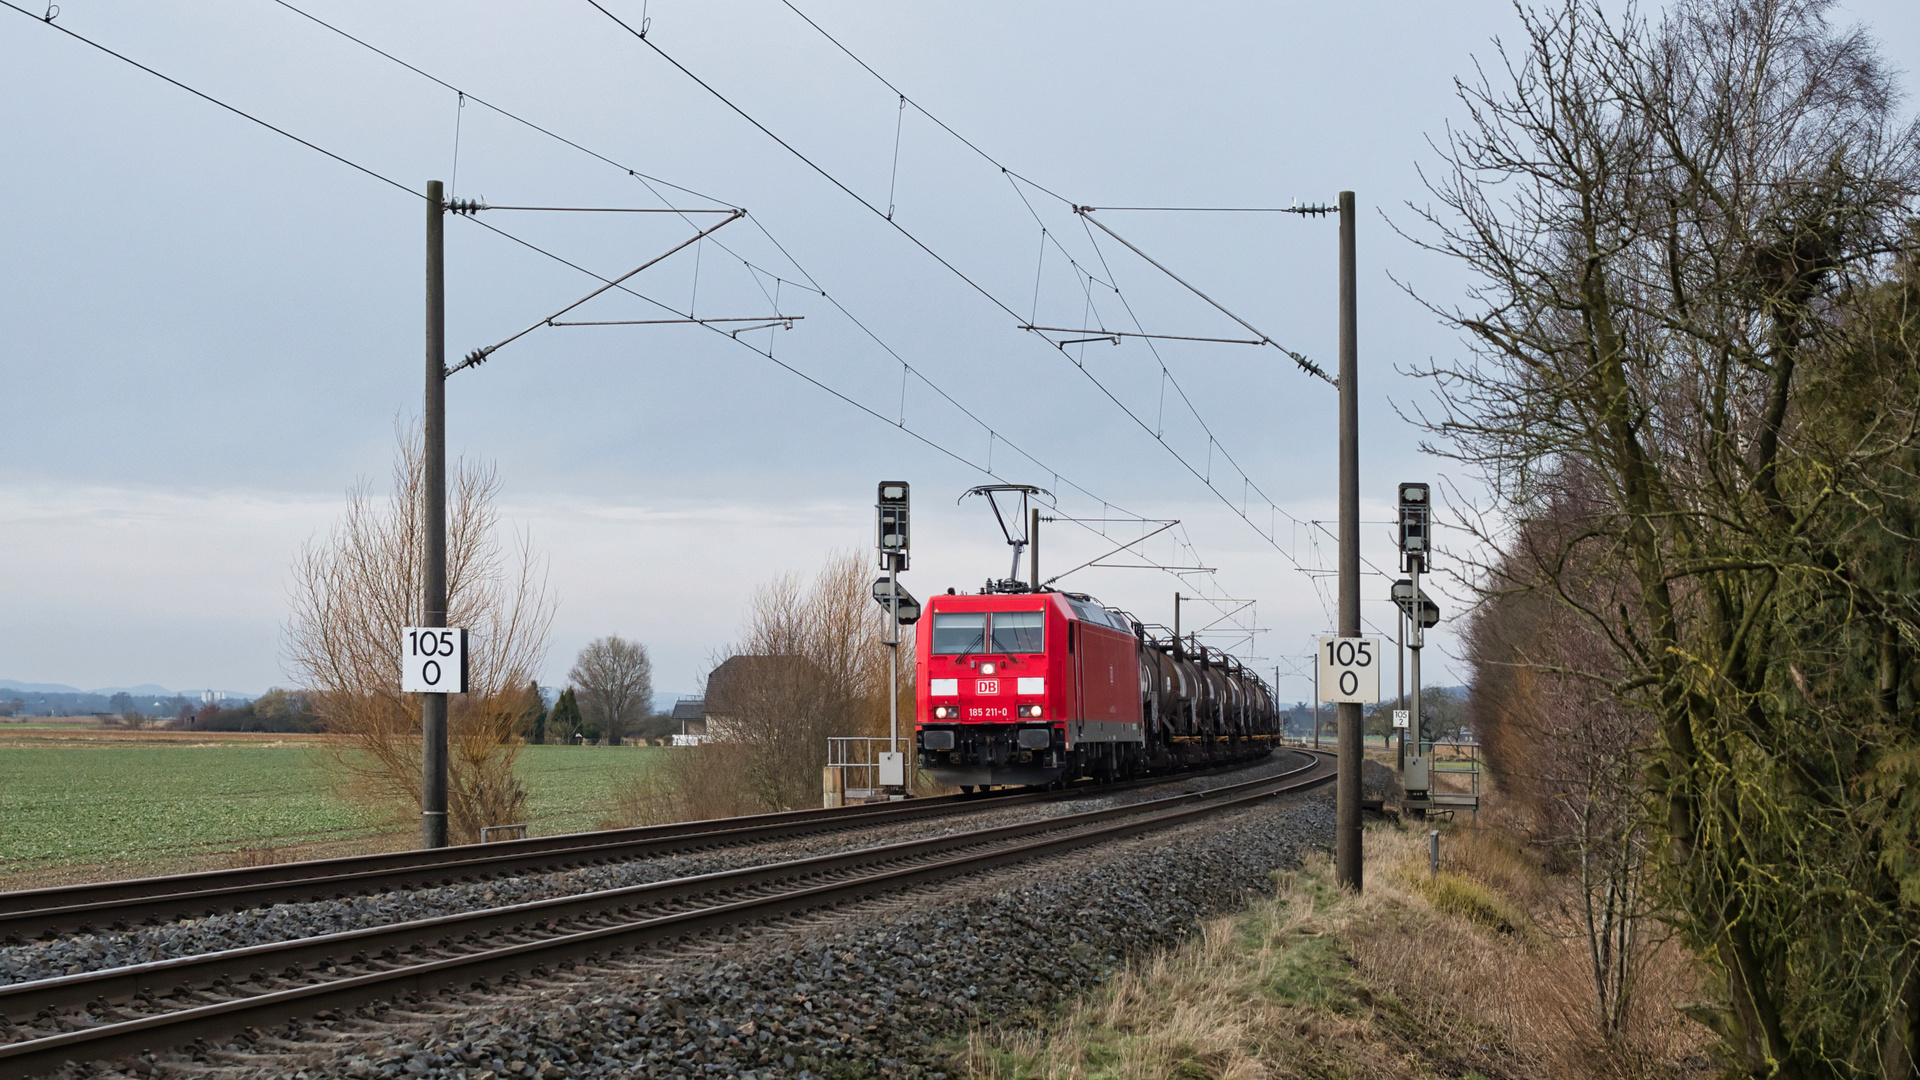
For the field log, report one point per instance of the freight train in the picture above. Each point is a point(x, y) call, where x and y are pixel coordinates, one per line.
point(1032, 687)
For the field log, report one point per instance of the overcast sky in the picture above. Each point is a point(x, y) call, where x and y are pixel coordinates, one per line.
point(208, 331)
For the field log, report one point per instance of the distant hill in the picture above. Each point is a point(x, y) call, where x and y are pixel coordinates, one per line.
point(142, 690)
point(59, 699)
point(39, 687)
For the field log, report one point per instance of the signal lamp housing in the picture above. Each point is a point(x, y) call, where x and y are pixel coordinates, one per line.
point(1416, 525)
point(890, 511)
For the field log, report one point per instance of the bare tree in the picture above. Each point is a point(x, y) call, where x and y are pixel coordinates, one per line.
point(1571, 757)
point(811, 664)
point(1694, 349)
point(354, 592)
point(614, 678)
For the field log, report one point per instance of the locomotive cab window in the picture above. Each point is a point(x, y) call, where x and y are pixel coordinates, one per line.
point(1099, 616)
point(1018, 631)
point(958, 632)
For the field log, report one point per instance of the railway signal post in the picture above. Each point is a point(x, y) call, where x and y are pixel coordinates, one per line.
point(1416, 532)
point(894, 539)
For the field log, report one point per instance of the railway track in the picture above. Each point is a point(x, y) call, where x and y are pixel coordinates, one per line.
point(115, 1013)
point(29, 914)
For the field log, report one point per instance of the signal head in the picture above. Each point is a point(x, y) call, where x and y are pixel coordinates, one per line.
point(1416, 518)
point(891, 514)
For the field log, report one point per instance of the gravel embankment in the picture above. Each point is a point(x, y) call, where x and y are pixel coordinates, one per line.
point(864, 993)
point(1379, 782)
point(282, 922)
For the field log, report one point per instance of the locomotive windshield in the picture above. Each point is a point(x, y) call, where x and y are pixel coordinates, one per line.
point(1018, 631)
point(958, 632)
point(1094, 613)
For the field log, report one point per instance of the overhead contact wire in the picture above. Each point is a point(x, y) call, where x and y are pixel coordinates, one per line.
point(900, 425)
point(648, 181)
point(210, 99)
point(389, 181)
point(487, 104)
point(809, 162)
point(1013, 176)
point(1305, 364)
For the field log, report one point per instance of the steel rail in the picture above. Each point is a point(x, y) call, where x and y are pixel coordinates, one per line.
point(28, 914)
point(226, 1018)
point(24, 999)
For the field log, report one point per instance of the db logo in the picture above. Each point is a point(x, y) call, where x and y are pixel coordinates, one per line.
point(987, 686)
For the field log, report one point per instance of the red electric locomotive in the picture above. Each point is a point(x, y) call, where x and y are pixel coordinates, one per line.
point(1032, 687)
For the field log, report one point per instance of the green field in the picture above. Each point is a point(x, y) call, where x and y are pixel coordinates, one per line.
point(132, 803)
point(571, 788)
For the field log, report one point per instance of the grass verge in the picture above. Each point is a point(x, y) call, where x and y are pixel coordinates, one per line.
point(1474, 973)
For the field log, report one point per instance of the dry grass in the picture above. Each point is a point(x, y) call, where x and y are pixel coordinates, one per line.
point(1467, 974)
point(692, 783)
point(699, 783)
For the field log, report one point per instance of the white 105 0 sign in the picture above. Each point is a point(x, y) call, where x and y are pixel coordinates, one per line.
point(433, 660)
point(1350, 669)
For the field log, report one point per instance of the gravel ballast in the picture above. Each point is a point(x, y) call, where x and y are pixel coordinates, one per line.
point(282, 922)
point(869, 992)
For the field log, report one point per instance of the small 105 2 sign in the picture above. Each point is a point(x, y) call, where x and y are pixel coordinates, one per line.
point(1350, 669)
point(433, 660)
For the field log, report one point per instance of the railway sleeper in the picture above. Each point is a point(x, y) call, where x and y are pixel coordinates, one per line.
point(884, 870)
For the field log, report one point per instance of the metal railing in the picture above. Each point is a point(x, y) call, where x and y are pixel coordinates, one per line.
point(1463, 753)
point(858, 759)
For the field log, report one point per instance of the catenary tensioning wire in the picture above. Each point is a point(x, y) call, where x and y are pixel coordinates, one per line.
point(899, 423)
point(1151, 430)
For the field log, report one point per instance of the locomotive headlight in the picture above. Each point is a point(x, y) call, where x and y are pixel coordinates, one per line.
point(1030, 710)
point(988, 668)
point(945, 712)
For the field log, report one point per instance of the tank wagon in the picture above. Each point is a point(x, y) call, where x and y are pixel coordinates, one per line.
point(1038, 687)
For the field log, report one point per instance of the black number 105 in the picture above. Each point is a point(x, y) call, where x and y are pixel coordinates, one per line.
point(1350, 652)
point(431, 642)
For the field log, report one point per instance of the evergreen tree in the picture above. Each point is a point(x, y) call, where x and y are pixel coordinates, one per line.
point(587, 724)
point(534, 720)
point(565, 719)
